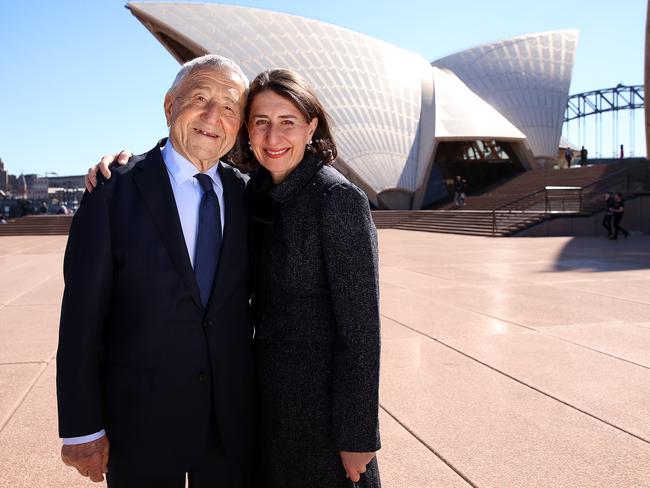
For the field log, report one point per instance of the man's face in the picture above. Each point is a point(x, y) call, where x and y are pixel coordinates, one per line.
point(204, 114)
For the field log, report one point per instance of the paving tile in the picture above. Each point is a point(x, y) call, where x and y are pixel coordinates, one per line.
point(391, 330)
point(637, 290)
point(22, 279)
point(614, 391)
point(406, 462)
point(15, 381)
point(30, 332)
point(499, 432)
point(608, 307)
point(543, 305)
point(13, 244)
point(434, 315)
point(30, 446)
point(472, 275)
point(624, 340)
point(407, 278)
point(49, 292)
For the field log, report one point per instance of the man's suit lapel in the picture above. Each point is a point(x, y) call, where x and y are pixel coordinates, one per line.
point(153, 183)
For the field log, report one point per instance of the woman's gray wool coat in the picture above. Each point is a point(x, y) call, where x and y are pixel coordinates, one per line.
point(316, 317)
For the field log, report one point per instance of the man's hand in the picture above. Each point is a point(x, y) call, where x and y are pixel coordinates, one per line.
point(355, 463)
point(120, 158)
point(90, 458)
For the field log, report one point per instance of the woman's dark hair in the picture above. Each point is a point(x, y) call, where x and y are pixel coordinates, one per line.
point(290, 85)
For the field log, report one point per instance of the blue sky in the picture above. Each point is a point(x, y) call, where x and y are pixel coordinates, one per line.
point(83, 78)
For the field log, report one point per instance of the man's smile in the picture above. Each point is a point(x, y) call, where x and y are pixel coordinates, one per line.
point(206, 133)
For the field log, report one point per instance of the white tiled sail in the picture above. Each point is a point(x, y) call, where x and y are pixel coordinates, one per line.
point(373, 90)
point(526, 79)
point(463, 115)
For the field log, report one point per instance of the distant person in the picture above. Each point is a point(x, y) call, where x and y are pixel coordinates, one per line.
point(458, 190)
point(63, 210)
point(568, 156)
point(609, 214)
point(583, 156)
point(463, 192)
point(619, 210)
point(622, 156)
point(43, 208)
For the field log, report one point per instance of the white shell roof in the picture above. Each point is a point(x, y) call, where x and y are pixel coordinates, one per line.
point(526, 79)
point(389, 106)
point(461, 114)
point(372, 90)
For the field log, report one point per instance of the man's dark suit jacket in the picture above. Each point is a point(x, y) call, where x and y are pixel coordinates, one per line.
point(138, 353)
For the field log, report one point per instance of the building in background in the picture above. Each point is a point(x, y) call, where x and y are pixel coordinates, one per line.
point(403, 126)
point(24, 193)
point(4, 178)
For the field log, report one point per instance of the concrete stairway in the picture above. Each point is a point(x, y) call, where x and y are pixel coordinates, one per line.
point(518, 206)
point(37, 225)
point(466, 222)
point(531, 181)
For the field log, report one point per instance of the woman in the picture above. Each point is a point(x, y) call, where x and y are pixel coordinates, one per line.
point(315, 299)
point(315, 296)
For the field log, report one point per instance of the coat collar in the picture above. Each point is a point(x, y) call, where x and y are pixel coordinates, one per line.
point(297, 179)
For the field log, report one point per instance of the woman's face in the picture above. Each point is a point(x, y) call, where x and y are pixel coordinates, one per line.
point(278, 133)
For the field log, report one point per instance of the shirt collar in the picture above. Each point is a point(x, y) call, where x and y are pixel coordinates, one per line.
point(182, 170)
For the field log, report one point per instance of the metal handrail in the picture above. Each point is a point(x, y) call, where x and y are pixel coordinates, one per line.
point(581, 194)
point(517, 200)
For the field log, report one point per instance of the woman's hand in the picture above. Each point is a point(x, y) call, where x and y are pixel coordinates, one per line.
point(120, 158)
point(355, 463)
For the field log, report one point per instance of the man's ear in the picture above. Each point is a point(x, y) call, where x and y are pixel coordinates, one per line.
point(168, 109)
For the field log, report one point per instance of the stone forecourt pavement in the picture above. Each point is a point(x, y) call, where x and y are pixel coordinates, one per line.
point(506, 362)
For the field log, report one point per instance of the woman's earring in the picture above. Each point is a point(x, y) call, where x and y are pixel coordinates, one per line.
point(250, 146)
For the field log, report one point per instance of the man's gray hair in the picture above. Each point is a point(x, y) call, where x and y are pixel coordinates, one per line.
point(212, 61)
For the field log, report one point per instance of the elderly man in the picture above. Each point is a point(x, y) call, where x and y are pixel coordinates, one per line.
point(155, 336)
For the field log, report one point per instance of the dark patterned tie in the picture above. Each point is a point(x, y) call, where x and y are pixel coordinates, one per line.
point(208, 239)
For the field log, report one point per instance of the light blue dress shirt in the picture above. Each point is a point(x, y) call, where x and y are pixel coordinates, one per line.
point(187, 193)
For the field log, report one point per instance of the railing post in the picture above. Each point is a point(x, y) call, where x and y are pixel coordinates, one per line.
point(494, 223)
point(546, 205)
point(580, 201)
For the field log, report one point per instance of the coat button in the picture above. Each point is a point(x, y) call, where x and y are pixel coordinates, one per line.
point(202, 376)
point(207, 323)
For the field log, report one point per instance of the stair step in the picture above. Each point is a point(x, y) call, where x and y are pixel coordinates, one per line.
point(37, 225)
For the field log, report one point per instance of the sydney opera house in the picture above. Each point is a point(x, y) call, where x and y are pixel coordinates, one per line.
point(404, 126)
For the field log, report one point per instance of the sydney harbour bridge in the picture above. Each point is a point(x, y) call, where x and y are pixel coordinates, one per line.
point(606, 120)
